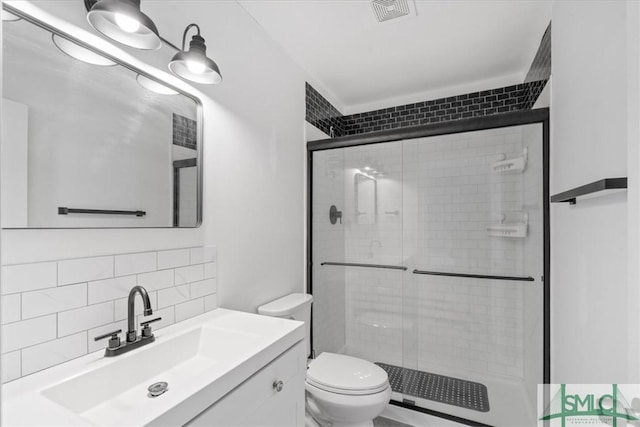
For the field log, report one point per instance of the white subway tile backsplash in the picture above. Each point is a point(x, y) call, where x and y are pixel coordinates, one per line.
point(28, 277)
point(28, 332)
point(53, 300)
point(210, 270)
point(203, 254)
point(135, 263)
point(53, 353)
point(156, 280)
point(202, 288)
point(110, 289)
point(173, 296)
point(210, 302)
point(121, 306)
point(81, 319)
point(189, 309)
point(173, 258)
point(52, 311)
point(84, 269)
point(189, 274)
point(10, 366)
point(10, 308)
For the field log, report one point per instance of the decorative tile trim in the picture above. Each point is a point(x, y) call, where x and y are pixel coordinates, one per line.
point(539, 72)
point(184, 132)
point(74, 300)
point(541, 66)
point(321, 113)
point(475, 104)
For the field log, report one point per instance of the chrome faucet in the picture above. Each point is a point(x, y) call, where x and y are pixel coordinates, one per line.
point(131, 303)
point(133, 340)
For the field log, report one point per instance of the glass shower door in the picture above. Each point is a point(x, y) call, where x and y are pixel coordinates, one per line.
point(427, 259)
point(473, 294)
point(357, 259)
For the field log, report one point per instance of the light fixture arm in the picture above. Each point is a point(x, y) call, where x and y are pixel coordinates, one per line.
point(184, 35)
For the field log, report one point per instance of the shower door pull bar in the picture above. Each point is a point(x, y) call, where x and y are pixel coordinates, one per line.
point(475, 276)
point(64, 211)
point(353, 264)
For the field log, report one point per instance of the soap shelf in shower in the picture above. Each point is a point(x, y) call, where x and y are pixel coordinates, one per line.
point(518, 230)
point(510, 229)
point(516, 164)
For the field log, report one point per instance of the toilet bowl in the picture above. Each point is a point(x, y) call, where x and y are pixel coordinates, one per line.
point(345, 391)
point(341, 391)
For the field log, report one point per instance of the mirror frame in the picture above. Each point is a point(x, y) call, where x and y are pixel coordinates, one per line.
point(199, 118)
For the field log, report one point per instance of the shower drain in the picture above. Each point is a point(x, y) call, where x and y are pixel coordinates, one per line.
point(439, 388)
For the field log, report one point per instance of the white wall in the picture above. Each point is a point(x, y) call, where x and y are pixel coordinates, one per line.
point(594, 335)
point(253, 146)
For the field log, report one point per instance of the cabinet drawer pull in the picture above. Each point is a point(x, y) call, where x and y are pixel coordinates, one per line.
point(278, 386)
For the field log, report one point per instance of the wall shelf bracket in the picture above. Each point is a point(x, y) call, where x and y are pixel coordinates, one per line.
point(594, 187)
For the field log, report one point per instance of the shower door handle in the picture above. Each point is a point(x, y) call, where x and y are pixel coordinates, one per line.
point(475, 276)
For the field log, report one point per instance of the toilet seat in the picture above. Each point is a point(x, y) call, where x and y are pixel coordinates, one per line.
point(347, 375)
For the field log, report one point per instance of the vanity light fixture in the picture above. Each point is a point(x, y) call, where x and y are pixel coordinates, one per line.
point(122, 21)
point(154, 86)
point(78, 52)
point(194, 65)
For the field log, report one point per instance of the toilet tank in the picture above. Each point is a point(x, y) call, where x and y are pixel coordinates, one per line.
point(292, 306)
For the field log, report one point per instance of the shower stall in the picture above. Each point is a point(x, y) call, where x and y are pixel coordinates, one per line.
point(429, 256)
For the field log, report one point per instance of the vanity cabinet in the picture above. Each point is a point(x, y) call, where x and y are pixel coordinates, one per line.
point(257, 401)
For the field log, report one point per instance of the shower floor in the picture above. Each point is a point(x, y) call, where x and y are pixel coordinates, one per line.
point(439, 388)
point(510, 404)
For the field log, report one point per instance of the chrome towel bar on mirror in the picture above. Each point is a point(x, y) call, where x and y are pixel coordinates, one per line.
point(64, 211)
point(353, 264)
point(475, 276)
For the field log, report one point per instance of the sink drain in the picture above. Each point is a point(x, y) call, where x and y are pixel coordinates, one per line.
point(156, 389)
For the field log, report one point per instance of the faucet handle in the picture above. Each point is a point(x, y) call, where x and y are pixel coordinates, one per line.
point(114, 341)
point(146, 329)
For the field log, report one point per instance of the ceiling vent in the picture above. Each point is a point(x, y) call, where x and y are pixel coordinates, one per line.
point(387, 10)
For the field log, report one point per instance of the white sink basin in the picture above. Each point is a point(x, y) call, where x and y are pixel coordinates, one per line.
point(201, 359)
point(179, 361)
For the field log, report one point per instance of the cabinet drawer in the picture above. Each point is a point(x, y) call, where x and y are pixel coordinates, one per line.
point(257, 401)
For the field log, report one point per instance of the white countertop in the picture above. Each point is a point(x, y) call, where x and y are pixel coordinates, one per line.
point(193, 386)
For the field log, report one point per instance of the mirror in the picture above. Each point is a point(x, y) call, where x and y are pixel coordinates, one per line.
point(92, 146)
point(366, 194)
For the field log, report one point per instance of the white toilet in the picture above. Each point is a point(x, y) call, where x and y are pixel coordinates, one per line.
point(342, 391)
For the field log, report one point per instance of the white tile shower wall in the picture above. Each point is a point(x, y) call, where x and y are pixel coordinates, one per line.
point(328, 246)
point(446, 196)
point(53, 310)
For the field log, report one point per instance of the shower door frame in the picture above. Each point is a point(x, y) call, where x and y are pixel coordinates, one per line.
point(517, 118)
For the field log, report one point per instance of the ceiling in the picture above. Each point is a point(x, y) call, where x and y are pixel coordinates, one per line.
point(449, 47)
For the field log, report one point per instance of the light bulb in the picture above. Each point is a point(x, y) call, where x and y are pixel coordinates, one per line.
point(127, 23)
point(196, 67)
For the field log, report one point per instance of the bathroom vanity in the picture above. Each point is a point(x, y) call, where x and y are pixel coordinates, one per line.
point(223, 368)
